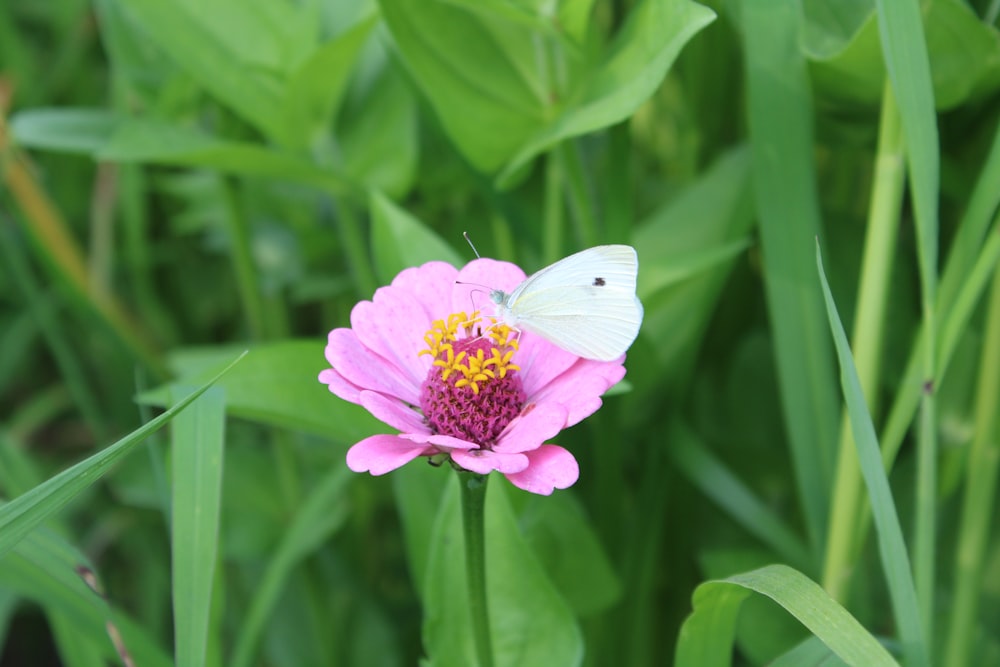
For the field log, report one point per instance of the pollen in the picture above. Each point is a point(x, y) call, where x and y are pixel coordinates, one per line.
point(472, 390)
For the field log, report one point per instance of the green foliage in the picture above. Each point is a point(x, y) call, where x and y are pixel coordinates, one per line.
point(183, 181)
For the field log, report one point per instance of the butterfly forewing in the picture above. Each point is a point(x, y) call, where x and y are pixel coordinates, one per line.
point(585, 303)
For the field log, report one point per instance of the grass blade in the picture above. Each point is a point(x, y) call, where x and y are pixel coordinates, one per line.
point(892, 548)
point(29, 510)
point(197, 455)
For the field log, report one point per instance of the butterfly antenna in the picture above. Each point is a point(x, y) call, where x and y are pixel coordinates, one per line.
point(469, 241)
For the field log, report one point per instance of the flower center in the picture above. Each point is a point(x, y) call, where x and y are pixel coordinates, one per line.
point(472, 390)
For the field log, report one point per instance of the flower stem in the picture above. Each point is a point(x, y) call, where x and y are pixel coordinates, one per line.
point(473, 528)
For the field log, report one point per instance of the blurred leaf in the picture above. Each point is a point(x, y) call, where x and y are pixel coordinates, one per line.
point(706, 638)
point(419, 490)
point(780, 118)
point(964, 52)
point(378, 131)
point(399, 240)
point(276, 385)
point(240, 51)
point(828, 27)
point(29, 510)
point(70, 130)
point(696, 233)
point(530, 622)
point(197, 447)
point(637, 61)
point(43, 569)
point(562, 538)
point(316, 88)
point(161, 143)
point(485, 69)
point(321, 514)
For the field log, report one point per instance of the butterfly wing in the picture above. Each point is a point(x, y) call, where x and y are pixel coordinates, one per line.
point(585, 303)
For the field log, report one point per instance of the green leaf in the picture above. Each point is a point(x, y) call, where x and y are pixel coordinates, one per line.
point(29, 510)
point(240, 51)
point(197, 445)
point(686, 250)
point(70, 130)
point(276, 385)
point(321, 514)
point(636, 63)
point(400, 240)
point(378, 132)
point(706, 638)
point(161, 143)
point(784, 177)
point(315, 89)
point(478, 71)
point(562, 537)
point(43, 568)
point(531, 624)
point(892, 548)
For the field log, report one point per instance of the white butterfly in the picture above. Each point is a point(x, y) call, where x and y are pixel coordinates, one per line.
point(585, 303)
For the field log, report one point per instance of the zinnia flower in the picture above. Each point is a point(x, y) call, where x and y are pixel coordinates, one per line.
point(460, 386)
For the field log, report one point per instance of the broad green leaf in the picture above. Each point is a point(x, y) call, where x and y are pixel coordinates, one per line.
point(780, 117)
point(277, 385)
point(377, 130)
point(240, 51)
point(892, 548)
point(562, 537)
point(964, 52)
point(686, 249)
point(197, 446)
point(29, 510)
point(321, 514)
point(419, 490)
point(399, 240)
point(316, 88)
point(828, 27)
point(706, 637)
point(71, 130)
point(160, 143)
point(530, 622)
point(478, 71)
point(636, 63)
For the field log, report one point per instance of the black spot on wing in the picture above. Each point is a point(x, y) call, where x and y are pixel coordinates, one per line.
point(599, 282)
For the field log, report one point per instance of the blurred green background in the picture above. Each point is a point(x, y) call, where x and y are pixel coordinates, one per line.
point(186, 180)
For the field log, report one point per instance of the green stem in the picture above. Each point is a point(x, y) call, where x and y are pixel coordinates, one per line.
point(243, 264)
point(980, 493)
point(866, 341)
point(473, 528)
point(581, 201)
point(553, 214)
point(356, 251)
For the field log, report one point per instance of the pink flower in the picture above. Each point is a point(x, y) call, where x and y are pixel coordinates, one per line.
point(458, 386)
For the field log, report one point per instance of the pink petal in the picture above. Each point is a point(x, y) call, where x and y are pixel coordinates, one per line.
point(537, 423)
point(581, 387)
point(483, 461)
point(482, 276)
point(378, 454)
point(393, 326)
point(430, 286)
point(540, 361)
point(393, 412)
point(550, 467)
point(339, 386)
point(442, 442)
point(363, 368)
